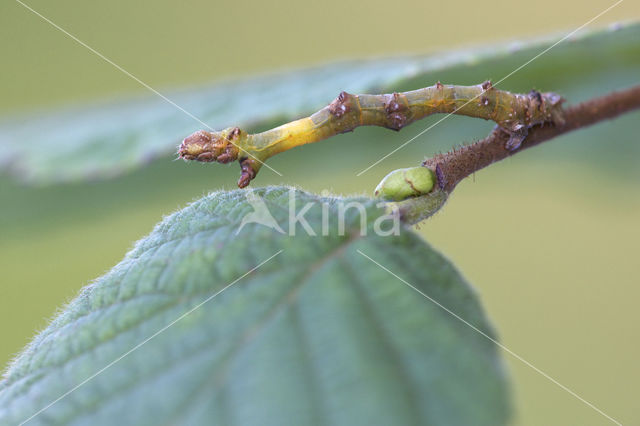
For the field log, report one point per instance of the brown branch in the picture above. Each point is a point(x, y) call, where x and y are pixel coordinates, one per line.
point(452, 167)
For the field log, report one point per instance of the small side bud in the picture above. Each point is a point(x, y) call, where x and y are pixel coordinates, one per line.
point(248, 170)
point(341, 105)
point(406, 183)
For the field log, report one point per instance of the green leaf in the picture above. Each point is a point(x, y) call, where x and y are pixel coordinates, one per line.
point(103, 140)
point(319, 334)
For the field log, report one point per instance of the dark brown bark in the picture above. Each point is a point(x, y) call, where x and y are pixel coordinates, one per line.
point(455, 165)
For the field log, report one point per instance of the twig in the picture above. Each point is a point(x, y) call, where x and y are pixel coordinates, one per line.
point(452, 167)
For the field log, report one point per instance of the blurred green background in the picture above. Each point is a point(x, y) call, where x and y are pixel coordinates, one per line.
point(549, 238)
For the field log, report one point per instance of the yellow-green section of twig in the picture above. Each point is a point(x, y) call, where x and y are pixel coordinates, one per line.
point(515, 113)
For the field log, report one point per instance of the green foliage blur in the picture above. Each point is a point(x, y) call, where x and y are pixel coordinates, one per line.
point(549, 238)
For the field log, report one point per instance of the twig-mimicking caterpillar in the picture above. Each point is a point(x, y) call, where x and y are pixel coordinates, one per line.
point(514, 113)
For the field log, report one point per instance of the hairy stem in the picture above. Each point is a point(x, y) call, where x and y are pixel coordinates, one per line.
point(452, 167)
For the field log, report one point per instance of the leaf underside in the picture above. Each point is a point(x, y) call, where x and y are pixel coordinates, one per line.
point(104, 140)
point(317, 335)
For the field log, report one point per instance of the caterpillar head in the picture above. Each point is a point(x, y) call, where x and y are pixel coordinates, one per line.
point(212, 146)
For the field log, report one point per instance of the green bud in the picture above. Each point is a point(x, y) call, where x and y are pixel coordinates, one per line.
point(405, 183)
